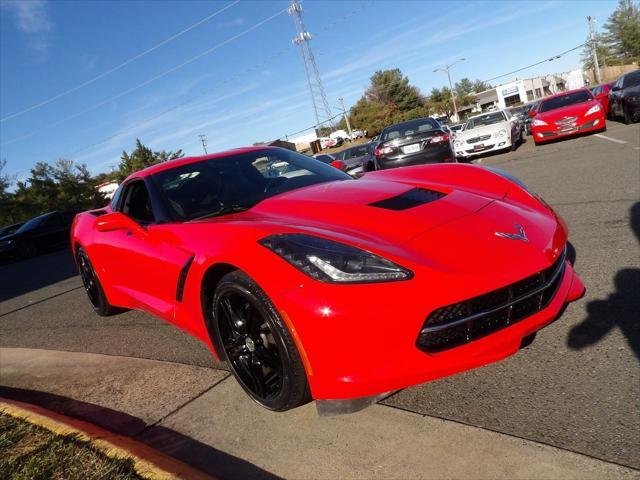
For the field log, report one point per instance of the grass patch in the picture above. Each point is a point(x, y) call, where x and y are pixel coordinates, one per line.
point(31, 452)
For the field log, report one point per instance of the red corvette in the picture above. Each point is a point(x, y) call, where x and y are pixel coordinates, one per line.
point(314, 285)
point(565, 114)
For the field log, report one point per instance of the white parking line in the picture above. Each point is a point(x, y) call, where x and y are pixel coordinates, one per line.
point(615, 140)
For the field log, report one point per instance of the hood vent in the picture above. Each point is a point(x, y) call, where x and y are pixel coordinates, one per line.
point(409, 199)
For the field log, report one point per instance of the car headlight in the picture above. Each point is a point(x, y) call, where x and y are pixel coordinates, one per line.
point(632, 99)
point(334, 262)
point(500, 133)
point(594, 109)
point(5, 243)
point(538, 123)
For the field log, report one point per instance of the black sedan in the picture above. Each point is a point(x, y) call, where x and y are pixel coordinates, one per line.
point(42, 233)
point(624, 97)
point(415, 142)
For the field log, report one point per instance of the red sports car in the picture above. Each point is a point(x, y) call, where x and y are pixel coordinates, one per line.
point(565, 114)
point(312, 284)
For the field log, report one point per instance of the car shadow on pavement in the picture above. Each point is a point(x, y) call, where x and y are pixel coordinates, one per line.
point(619, 309)
point(195, 454)
point(24, 276)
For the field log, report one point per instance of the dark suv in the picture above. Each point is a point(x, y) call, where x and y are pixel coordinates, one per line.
point(415, 142)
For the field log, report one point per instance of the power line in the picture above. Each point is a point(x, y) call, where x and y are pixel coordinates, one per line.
point(146, 82)
point(230, 79)
point(121, 65)
point(550, 59)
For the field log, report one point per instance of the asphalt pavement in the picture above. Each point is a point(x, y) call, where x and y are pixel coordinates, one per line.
point(577, 386)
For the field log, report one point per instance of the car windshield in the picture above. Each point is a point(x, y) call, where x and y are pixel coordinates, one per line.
point(415, 127)
point(31, 224)
point(565, 100)
point(631, 79)
point(483, 120)
point(237, 182)
point(455, 128)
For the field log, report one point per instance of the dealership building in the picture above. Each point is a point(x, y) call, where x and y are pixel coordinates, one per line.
point(525, 90)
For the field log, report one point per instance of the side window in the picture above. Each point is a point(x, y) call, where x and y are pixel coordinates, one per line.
point(136, 203)
point(53, 221)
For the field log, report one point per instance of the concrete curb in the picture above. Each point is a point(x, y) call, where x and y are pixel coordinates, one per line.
point(148, 463)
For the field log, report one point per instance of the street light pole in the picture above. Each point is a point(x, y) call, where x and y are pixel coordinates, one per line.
point(594, 53)
point(446, 69)
point(344, 112)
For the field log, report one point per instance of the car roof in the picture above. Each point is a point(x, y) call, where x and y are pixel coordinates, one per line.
point(410, 121)
point(179, 162)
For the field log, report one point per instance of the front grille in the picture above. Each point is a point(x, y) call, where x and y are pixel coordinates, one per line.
point(471, 319)
point(566, 120)
point(481, 138)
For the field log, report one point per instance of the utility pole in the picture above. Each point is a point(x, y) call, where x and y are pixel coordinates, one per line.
point(346, 119)
point(318, 97)
point(203, 140)
point(446, 69)
point(594, 53)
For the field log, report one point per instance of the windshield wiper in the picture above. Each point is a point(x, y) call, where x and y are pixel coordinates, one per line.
point(224, 210)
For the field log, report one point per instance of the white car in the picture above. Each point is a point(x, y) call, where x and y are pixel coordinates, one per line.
point(488, 132)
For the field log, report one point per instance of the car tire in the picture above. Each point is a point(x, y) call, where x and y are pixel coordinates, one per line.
point(257, 344)
point(626, 117)
point(27, 249)
point(93, 287)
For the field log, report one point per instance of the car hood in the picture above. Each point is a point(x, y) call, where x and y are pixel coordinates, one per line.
point(344, 208)
point(473, 243)
point(635, 90)
point(568, 111)
point(484, 130)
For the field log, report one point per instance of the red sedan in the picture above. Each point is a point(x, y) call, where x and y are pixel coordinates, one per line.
point(601, 92)
point(566, 114)
point(312, 284)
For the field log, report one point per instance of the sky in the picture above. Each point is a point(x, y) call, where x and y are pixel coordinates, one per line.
point(83, 79)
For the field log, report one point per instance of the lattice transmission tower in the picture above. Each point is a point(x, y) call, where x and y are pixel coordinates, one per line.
point(318, 97)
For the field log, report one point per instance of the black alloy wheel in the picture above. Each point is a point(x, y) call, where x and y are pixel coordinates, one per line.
point(92, 286)
point(257, 344)
point(89, 280)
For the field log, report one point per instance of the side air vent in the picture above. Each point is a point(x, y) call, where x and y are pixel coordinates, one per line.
point(409, 199)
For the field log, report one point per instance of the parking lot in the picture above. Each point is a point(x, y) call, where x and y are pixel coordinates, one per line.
point(576, 386)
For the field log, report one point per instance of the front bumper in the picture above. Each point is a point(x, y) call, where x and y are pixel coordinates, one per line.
point(471, 150)
point(360, 340)
point(545, 133)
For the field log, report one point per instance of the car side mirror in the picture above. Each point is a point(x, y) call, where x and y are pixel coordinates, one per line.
point(119, 221)
point(615, 88)
point(532, 113)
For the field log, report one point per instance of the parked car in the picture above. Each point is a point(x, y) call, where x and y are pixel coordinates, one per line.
point(488, 132)
point(353, 157)
point(624, 98)
point(43, 233)
point(456, 127)
point(330, 159)
point(302, 281)
point(9, 229)
point(601, 92)
point(565, 114)
point(415, 142)
point(530, 107)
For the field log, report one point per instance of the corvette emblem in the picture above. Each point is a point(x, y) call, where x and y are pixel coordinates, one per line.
point(521, 235)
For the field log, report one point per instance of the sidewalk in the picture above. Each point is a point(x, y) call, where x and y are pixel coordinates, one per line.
point(202, 417)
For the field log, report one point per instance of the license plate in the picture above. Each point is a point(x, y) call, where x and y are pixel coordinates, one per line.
point(479, 146)
point(411, 148)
